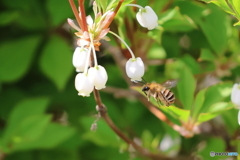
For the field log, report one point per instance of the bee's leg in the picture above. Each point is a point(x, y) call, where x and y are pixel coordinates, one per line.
point(157, 99)
point(148, 96)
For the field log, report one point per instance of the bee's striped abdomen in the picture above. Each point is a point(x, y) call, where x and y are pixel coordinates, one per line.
point(168, 96)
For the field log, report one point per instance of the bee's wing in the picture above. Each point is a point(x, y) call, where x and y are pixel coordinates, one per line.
point(170, 83)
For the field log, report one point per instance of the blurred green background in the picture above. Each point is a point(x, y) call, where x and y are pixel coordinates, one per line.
point(43, 118)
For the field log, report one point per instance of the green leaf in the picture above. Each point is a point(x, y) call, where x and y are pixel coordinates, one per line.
point(214, 27)
point(178, 113)
point(8, 17)
point(198, 102)
point(215, 94)
point(146, 138)
point(114, 3)
point(173, 20)
point(32, 16)
point(171, 45)
point(215, 110)
point(23, 110)
point(56, 8)
point(16, 57)
point(192, 9)
point(156, 52)
point(191, 63)
point(59, 154)
point(223, 5)
point(206, 55)
point(52, 135)
point(28, 131)
point(173, 69)
point(211, 144)
point(27, 108)
point(55, 61)
point(9, 99)
point(186, 87)
point(236, 6)
point(237, 24)
point(230, 121)
point(220, 106)
point(212, 21)
point(155, 34)
point(103, 4)
point(103, 135)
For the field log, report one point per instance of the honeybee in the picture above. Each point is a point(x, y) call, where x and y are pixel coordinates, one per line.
point(160, 92)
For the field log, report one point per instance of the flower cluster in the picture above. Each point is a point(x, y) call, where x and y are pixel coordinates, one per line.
point(235, 98)
point(89, 32)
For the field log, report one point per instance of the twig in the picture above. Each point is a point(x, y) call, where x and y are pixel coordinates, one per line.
point(75, 11)
point(103, 112)
point(83, 15)
point(2, 155)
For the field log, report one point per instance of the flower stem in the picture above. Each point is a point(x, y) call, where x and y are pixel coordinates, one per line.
point(123, 43)
point(94, 52)
point(87, 63)
point(74, 9)
point(83, 15)
point(135, 5)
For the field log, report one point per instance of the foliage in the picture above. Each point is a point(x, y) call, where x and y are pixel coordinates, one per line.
point(42, 115)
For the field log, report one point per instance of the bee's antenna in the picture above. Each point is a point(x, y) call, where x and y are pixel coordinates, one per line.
point(144, 81)
point(139, 82)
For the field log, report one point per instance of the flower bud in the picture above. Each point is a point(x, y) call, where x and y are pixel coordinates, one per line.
point(235, 96)
point(80, 58)
point(147, 18)
point(98, 76)
point(135, 69)
point(83, 85)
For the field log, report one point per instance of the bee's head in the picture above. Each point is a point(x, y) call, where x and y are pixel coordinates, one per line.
point(145, 87)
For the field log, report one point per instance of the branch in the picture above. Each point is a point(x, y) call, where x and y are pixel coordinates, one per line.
point(75, 11)
point(101, 108)
point(2, 155)
point(83, 15)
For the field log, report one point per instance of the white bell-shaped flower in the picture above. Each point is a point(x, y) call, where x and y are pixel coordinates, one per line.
point(83, 85)
point(80, 58)
point(135, 69)
point(147, 18)
point(235, 96)
point(98, 76)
